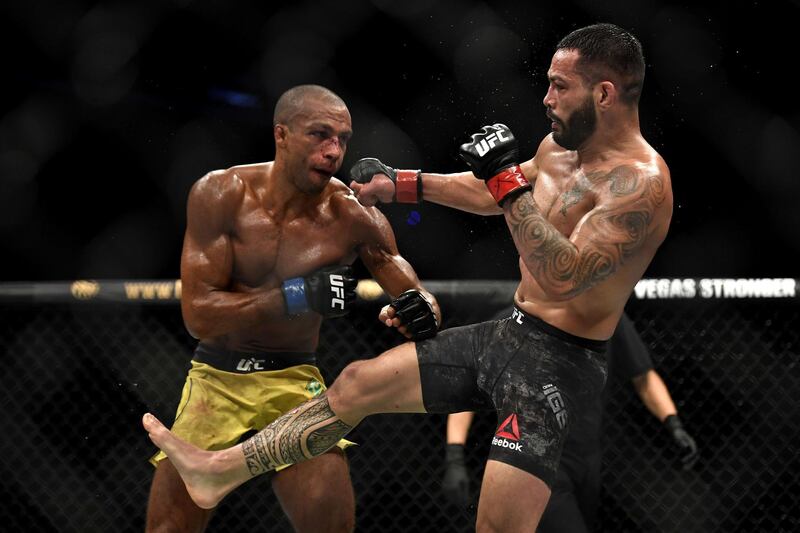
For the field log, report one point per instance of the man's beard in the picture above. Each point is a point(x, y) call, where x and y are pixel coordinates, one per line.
point(579, 127)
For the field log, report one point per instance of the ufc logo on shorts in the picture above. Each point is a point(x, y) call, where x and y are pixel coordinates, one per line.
point(488, 143)
point(337, 288)
point(556, 403)
point(246, 365)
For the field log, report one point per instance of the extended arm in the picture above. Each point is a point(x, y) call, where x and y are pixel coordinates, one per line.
point(459, 191)
point(465, 192)
point(375, 182)
point(210, 308)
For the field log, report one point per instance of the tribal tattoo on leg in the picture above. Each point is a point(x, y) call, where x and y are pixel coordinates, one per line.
point(303, 433)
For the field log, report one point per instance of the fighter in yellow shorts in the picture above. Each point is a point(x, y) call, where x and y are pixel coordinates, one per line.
point(229, 393)
point(265, 259)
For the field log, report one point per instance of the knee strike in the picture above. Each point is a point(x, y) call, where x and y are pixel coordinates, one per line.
point(347, 396)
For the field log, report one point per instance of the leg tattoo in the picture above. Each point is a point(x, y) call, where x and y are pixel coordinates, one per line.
point(303, 433)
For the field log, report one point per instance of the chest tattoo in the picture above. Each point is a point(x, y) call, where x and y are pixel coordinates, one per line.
point(573, 196)
point(610, 236)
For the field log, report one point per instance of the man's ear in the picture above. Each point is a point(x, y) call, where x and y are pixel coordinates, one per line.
point(605, 95)
point(280, 132)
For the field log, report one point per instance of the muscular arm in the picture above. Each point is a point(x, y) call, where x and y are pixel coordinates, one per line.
point(465, 192)
point(459, 191)
point(654, 394)
point(210, 309)
point(380, 255)
point(626, 213)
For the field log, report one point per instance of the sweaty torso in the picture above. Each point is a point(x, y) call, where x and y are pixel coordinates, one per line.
point(273, 245)
point(565, 192)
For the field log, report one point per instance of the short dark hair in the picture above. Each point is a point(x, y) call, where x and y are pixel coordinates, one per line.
point(293, 101)
point(608, 50)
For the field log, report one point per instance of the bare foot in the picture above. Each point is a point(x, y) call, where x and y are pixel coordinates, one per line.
point(209, 476)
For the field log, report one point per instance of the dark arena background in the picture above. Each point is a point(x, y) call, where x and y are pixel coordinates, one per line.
point(111, 110)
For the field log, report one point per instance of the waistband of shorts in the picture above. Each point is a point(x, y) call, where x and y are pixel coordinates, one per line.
point(246, 362)
point(538, 323)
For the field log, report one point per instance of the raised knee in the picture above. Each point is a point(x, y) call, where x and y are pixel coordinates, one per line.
point(350, 375)
point(347, 395)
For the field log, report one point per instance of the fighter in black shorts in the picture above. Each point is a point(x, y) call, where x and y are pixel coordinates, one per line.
point(532, 374)
point(576, 491)
point(575, 494)
point(587, 214)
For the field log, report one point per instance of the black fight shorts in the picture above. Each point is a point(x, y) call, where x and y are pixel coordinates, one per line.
point(535, 376)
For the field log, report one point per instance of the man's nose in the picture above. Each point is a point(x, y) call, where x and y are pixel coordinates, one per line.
point(332, 148)
point(548, 98)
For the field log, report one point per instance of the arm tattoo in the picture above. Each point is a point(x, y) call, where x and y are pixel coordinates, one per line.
point(303, 433)
point(613, 233)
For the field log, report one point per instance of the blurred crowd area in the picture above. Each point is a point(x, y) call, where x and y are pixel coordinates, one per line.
point(111, 110)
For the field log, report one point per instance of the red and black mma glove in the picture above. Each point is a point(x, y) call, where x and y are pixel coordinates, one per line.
point(330, 291)
point(407, 183)
point(416, 314)
point(492, 155)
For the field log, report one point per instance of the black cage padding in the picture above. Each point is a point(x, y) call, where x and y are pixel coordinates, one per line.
point(77, 377)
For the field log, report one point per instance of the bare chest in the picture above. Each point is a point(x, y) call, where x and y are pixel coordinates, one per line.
point(267, 250)
point(564, 197)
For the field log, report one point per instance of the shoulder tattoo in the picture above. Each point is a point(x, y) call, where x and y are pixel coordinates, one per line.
point(610, 235)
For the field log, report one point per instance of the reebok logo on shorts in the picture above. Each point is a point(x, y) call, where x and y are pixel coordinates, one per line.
point(507, 435)
point(509, 428)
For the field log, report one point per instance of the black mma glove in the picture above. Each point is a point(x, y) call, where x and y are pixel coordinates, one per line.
point(683, 441)
point(492, 155)
point(416, 314)
point(455, 483)
point(330, 291)
point(407, 183)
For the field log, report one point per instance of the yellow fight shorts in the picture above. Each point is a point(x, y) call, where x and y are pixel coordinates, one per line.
point(228, 393)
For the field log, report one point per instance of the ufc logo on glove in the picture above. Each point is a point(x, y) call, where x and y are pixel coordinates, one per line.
point(337, 288)
point(313, 293)
point(489, 142)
